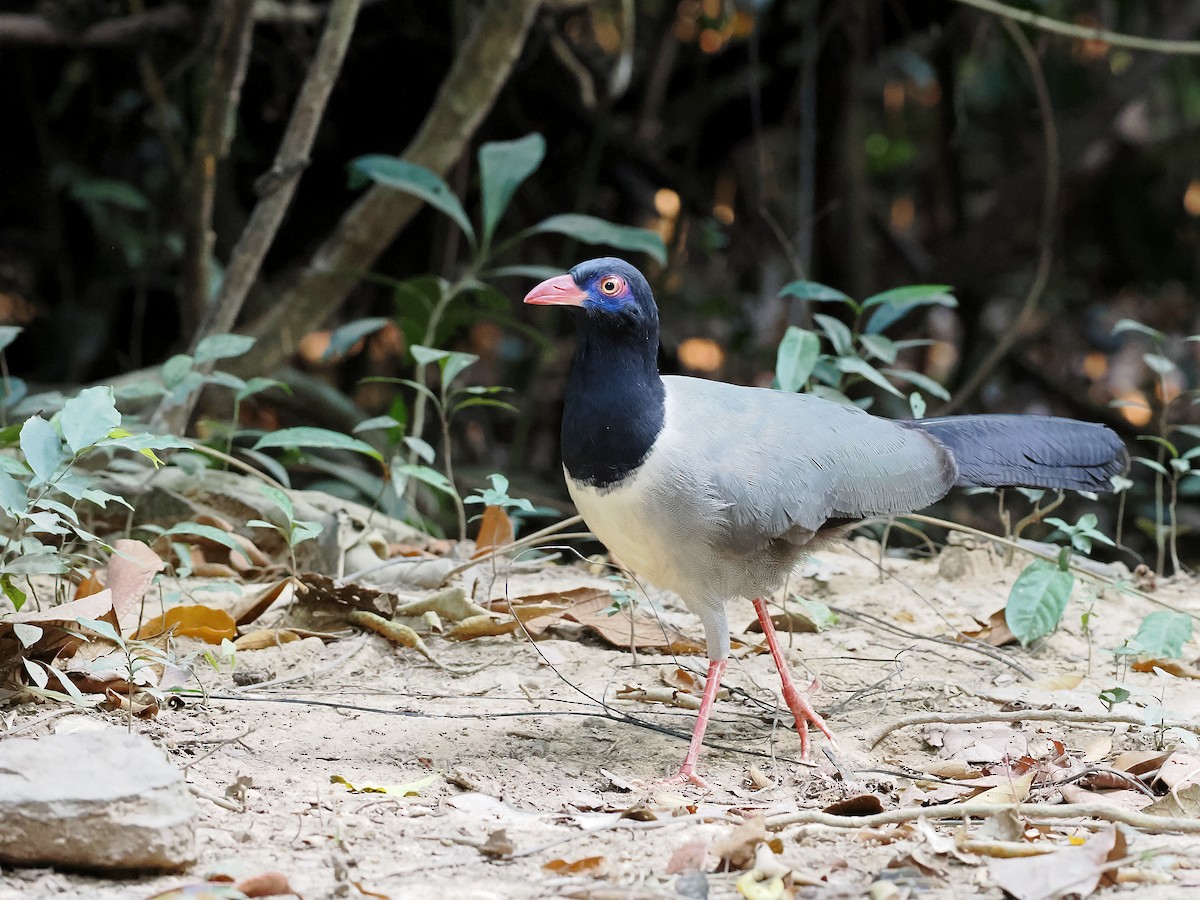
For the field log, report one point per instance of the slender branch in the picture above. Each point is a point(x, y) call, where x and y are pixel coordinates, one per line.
point(480, 69)
point(1024, 715)
point(1104, 811)
point(23, 28)
point(1046, 228)
point(222, 95)
point(276, 192)
point(1084, 33)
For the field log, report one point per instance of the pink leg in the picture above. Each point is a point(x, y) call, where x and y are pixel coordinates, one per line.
point(712, 684)
point(796, 700)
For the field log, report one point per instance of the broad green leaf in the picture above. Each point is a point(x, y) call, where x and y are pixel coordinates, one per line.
point(482, 401)
point(1131, 325)
point(280, 499)
point(40, 562)
point(503, 167)
point(837, 332)
point(88, 418)
point(102, 628)
point(8, 334)
point(223, 346)
point(454, 364)
point(812, 290)
point(208, 532)
point(539, 272)
point(924, 382)
point(852, 365)
point(1152, 464)
point(431, 477)
point(15, 595)
point(226, 380)
point(1037, 600)
point(888, 314)
point(42, 448)
point(822, 617)
point(426, 355)
point(421, 447)
point(393, 172)
point(13, 497)
point(257, 385)
point(377, 422)
point(591, 230)
point(108, 190)
point(1163, 634)
point(880, 347)
point(912, 295)
point(342, 339)
point(831, 394)
point(1162, 365)
point(317, 439)
point(794, 361)
point(175, 369)
point(12, 390)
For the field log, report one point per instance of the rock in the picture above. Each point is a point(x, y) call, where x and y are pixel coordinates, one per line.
point(99, 800)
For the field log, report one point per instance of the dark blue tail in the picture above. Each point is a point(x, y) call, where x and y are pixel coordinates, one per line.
point(1029, 451)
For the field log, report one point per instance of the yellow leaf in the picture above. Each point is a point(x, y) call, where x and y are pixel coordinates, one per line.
point(410, 789)
point(203, 622)
point(1014, 792)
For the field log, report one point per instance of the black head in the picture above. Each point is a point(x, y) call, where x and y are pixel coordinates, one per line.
point(610, 292)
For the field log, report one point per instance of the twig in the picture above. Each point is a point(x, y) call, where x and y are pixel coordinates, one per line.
point(290, 161)
point(110, 32)
point(235, 19)
point(1046, 227)
point(223, 802)
point(1084, 33)
point(221, 745)
point(326, 667)
point(1024, 715)
point(1108, 813)
point(40, 720)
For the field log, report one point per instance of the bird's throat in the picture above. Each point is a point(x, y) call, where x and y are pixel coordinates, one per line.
point(614, 407)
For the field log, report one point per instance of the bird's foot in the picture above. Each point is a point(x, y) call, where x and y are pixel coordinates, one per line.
point(797, 702)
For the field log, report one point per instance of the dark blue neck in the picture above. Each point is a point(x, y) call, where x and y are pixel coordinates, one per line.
point(614, 405)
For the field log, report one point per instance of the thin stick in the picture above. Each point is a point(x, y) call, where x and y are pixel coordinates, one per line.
point(1084, 33)
point(1025, 715)
point(1144, 821)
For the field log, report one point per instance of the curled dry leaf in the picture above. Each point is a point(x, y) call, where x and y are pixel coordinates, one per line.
point(862, 805)
point(588, 865)
point(1071, 870)
point(129, 575)
point(253, 605)
point(738, 848)
point(1176, 667)
point(495, 530)
point(202, 622)
point(262, 638)
point(1015, 790)
point(265, 884)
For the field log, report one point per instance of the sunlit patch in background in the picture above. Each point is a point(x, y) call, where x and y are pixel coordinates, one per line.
point(1095, 366)
point(1191, 198)
point(700, 354)
point(904, 213)
point(1134, 407)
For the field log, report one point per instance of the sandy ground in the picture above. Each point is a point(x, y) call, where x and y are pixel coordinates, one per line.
point(537, 746)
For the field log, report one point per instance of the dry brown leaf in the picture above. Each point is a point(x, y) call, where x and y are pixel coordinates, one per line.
point(213, 570)
point(1121, 799)
point(1066, 681)
point(129, 575)
point(1140, 762)
point(92, 584)
point(451, 604)
point(1180, 770)
point(1071, 870)
point(481, 626)
point(324, 603)
point(738, 848)
point(495, 530)
point(588, 865)
point(681, 679)
point(497, 844)
point(203, 622)
point(642, 632)
point(251, 606)
point(1176, 667)
point(1184, 804)
point(862, 805)
point(265, 884)
point(995, 631)
point(265, 637)
point(1015, 790)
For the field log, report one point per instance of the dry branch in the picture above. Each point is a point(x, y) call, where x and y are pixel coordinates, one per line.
point(480, 69)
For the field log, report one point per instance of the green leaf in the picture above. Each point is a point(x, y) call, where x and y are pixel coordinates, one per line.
point(393, 172)
point(503, 167)
point(924, 382)
point(822, 617)
point(852, 365)
point(318, 439)
point(1152, 464)
point(108, 190)
point(837, 332)
point(175, 369)
point(891, 312)
point(345, 337)
point(454, 364)
point(8, 334)
point(377, 422)
point(15, 595)
point(426, 355)
point(223, 346)
point(482, 401)
point(794, 361)
point(1163, 634)
point(541, 273)
point(1037, 600)
point(88, 418)
point(39, 562)
point(208, 532)
point(591, 230)
point(257, 385)
point(13, 496)
point(421, 447)
point(913, 295)
point(280, 499)
point(431, 477)
point(42, 448)
point(1159, 363)
point(812, 290)
point(880, 347)
point(102, 628)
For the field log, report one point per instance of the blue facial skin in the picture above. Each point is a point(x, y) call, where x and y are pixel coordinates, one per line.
point(615, 399)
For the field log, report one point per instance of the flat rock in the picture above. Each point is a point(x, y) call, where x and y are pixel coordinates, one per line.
point(100, 800)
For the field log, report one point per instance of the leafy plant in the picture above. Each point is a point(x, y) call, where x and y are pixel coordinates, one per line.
point(294, 531)
point(857, 352)
point(429, 307)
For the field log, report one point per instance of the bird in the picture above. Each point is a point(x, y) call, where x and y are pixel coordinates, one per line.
point(715, 491)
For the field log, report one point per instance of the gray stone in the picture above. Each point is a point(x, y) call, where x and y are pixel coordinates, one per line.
point(99, 800)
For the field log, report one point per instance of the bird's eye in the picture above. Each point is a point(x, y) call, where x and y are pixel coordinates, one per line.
point(612, 285)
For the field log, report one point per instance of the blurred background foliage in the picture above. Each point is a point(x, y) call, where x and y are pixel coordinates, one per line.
point(1052, 180)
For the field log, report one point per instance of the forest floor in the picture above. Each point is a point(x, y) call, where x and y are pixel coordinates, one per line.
point(532, 777)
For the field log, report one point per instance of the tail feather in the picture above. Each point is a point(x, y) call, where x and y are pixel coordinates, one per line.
point(1029, 451)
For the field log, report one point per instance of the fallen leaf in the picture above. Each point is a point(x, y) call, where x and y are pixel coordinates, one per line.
point(203, 622)
point(1120, 799)
point(251, 606)
point(588, 865)
point(1176, 667)
point(265, 884)
point(738, 848)
point(408, 789)
point(862, 805)
point(1184, 804)
point(1066, 681)
point(1180, 770)
point(265, 637)
point(1071, 870)
point(995, 631)
point(130, 573)
point(495, 530)
point(1015, 791)
point(753, 886)
point(497, 844)
point(1140, 762)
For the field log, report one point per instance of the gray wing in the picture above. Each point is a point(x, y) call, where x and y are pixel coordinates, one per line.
point(775, 465)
